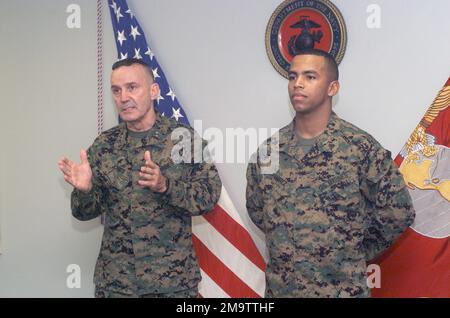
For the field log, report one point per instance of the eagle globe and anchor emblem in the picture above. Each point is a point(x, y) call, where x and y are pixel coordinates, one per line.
point(307, 38)
point(427, 174)
point(426, 170)
point(296, 25)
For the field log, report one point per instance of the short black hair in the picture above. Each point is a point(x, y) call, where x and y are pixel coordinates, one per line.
point(330, 60)
point(131, 61)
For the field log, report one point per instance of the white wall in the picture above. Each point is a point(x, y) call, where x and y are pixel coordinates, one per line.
point(213, 53)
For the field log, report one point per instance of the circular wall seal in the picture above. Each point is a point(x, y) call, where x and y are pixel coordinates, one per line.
point(301, 24)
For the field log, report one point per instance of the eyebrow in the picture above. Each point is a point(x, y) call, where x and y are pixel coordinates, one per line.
point(126, 84)
point(305, 72)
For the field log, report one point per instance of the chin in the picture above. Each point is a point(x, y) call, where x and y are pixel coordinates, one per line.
point(127, 118)
point(301, 108)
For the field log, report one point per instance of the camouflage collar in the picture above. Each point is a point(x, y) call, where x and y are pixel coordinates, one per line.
point(324, 142)
point(154, 138)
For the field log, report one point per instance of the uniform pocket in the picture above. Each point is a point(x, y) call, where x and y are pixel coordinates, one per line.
point(339, 191)
point(118, 178)
point(341, 202)
point(116, 173)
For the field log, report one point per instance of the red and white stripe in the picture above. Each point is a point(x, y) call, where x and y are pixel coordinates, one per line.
point(231, 263)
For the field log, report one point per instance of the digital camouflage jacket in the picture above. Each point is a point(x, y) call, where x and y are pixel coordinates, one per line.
point(147, 245)
point(327, 212)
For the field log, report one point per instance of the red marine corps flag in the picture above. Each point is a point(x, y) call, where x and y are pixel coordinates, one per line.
point(418, 265)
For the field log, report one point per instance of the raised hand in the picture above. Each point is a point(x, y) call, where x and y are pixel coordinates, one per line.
point(78, 175)
point(150, 175)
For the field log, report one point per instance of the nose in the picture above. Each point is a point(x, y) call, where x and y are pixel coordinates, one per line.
point(124, 96)
point(299, 82)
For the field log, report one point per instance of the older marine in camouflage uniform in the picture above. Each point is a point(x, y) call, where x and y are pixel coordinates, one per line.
point(147, 244)
point(332, 205)
point(132, 174)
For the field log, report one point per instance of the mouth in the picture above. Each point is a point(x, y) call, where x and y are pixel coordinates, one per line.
point(127, 109)
point(298, 96)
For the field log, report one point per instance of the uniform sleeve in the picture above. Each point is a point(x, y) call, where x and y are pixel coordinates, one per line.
point(198, 192)
point(389, 205)
point(87, 206)
point(254, 200)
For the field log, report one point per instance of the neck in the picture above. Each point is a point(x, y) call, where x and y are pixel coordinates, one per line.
point(143, 124)
point(311, 125)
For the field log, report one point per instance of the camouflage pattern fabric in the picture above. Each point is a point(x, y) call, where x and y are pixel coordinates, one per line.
point(187, 293)
point(325, 213)
point(147, 245)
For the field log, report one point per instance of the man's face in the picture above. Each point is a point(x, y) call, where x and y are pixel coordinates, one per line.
point(310, 86)
point(133, 91)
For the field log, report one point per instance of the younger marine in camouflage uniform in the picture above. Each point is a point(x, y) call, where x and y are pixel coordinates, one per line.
point(148, 200)
point(332, 205)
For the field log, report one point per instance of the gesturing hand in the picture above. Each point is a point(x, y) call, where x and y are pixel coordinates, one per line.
point(78, 175)
point(150, 175)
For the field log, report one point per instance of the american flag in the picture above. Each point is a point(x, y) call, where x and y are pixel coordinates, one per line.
point(230, 262)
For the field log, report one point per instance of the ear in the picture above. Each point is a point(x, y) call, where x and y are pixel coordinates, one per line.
point(333, 88)
point(154, 91)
